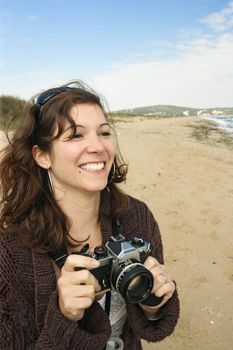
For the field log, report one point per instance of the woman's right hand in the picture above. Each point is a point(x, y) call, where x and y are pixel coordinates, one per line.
point(76, 289)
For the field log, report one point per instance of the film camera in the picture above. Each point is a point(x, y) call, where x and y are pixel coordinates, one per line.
point(121, 268)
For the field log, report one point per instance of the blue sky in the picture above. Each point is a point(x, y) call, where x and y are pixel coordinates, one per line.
point(134, 52)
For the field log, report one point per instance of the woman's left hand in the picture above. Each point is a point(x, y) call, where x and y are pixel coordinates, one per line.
point(163, 285)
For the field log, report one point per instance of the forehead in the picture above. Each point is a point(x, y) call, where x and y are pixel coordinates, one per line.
point(85, 113)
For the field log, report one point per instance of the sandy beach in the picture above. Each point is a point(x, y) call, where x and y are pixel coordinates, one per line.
point(188, 185)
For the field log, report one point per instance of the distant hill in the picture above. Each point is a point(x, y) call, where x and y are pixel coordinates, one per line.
point(11, 106)
point(174, 111)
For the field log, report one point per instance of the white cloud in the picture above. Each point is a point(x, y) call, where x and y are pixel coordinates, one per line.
point(199, 74)
point(220, 21)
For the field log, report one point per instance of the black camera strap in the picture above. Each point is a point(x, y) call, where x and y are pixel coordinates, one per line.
point(117, 228)
point(59, 255)
point(116, 231)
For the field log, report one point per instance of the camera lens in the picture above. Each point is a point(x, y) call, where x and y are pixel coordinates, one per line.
point(133, 281)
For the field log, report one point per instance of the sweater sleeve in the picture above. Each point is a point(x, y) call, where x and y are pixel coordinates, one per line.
point(18, 325)
point(140, 326)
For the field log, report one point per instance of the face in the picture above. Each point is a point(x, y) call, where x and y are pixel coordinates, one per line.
point(83, 163)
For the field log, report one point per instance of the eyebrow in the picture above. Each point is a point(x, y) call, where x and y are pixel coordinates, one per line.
point(100, 126)
point(83, 127)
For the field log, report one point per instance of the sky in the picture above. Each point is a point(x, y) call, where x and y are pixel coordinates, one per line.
point(134, 52)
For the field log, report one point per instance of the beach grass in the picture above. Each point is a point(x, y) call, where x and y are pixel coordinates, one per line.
point(127, 118)
point(204, 131)
point(208, 132)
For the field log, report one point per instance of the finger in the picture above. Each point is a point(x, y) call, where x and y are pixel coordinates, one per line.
point(75, 305)
point(83, 303)
point(166, 289)
point(157, 273)
point(151, 262)
point(161, 278)
point(78, 278)
point(77, 291)
point(82, 261)
point(86, 277)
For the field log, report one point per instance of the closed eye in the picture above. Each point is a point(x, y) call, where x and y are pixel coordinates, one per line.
point(105, 133)
point(77, 136)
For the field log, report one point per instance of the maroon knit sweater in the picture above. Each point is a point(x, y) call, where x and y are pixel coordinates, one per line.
point(30, 317)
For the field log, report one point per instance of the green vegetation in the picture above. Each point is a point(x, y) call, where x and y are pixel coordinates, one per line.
point(173, 111)
point(10, 107)
point(208, 132)
point(120, 117)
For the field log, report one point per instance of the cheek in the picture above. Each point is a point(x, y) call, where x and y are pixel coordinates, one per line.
point(66, 155)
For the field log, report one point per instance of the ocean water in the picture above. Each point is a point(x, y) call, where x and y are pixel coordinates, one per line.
point(224, 122)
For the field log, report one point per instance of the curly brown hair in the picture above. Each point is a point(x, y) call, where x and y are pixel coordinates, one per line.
point(27, 204)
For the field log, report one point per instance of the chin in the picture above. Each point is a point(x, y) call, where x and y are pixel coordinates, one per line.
point(96, 187)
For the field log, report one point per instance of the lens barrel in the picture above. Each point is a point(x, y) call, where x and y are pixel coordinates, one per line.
point(133, 281)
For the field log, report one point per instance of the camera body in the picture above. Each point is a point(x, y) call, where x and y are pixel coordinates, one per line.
point(121, 267)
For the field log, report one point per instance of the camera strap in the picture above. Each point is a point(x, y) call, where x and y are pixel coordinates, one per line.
point(116, 231)
point(59, 255)
point(117, 228)
point(108, 302)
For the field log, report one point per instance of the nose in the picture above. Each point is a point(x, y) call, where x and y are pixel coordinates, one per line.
point(95, 144)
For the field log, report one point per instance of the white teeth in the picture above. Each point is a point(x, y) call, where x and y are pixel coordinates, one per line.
point(92, 166)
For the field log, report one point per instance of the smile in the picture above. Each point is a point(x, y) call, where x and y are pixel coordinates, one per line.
point(92, 166)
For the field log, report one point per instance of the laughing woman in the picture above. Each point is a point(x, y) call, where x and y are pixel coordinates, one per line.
point(59, 201)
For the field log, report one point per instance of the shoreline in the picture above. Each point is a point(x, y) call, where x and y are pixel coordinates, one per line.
point(224, 122)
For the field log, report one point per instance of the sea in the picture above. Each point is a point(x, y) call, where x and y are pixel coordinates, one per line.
point(224, 122)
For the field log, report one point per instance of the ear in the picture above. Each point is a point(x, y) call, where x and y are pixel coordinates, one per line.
point(42, 158)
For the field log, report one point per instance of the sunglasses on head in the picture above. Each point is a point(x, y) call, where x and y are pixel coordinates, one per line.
point(47, 95)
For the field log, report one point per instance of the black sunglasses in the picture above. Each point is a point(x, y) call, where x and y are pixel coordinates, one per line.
point(47, 95)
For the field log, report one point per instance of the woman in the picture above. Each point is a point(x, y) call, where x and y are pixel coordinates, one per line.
point(60, 200)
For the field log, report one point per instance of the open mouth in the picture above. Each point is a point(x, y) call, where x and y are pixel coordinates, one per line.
point(97, 166)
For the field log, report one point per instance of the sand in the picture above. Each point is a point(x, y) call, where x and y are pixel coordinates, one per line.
point(188, 185)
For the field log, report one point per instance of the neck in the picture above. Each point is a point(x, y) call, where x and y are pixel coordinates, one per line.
point(83, 214)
